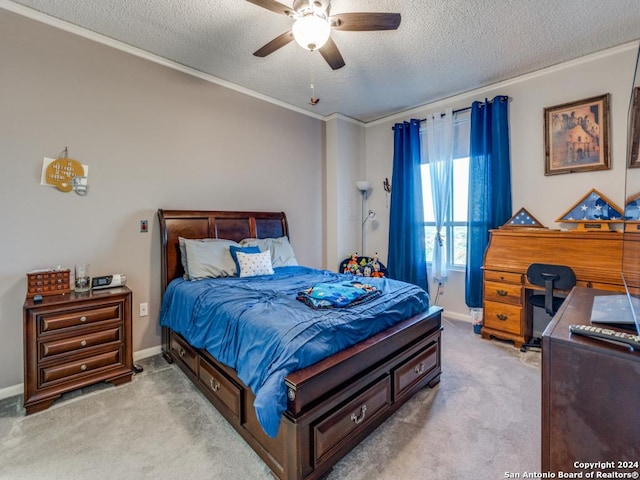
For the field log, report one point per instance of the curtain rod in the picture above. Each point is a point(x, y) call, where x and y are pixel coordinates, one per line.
point(455, 111)
point(442, 114)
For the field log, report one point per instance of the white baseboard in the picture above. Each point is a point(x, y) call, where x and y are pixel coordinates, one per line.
point(146, 353)
point(11, 391)
point(139, 355)
point(456, 316)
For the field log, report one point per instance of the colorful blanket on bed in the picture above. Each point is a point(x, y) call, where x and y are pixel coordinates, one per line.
point(337, 295)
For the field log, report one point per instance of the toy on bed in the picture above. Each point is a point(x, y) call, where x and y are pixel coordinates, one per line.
point(363, 266)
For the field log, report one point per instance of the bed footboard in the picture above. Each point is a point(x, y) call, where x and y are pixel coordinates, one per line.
point(332, 405)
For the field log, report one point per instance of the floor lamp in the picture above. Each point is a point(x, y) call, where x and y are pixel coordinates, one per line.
point(364, 186)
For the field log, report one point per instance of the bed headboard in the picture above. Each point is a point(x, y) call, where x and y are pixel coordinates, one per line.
point(211, 224)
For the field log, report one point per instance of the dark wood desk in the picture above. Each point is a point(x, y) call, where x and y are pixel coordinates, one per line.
point(595, 257)
point(590, 394)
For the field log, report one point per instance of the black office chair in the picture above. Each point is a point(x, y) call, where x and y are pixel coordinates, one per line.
point(552, 278)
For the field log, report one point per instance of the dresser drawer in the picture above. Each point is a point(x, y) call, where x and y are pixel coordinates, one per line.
point(503, 293)
point(351, 418)
point(504, 317)
point(414, 370)
point(51, 322)
point(50, 348)
point(82, 367)
point(221, 387)
point(184, 352)
point(507, 277)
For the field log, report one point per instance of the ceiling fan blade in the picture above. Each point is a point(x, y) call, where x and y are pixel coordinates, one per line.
point(363, 22)
point(332, 55)
point(273, 6)
point(278, 42)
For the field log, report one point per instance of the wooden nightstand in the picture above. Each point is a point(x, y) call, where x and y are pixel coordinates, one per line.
point(75, 340)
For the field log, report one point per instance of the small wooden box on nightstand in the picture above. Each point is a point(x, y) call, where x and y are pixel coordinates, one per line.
point(75, 340)
point(48, 282)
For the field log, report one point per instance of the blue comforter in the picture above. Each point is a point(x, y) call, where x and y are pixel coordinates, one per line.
point(257, 327)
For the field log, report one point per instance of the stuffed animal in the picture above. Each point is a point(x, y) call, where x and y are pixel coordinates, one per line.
point(352, 266)
point(377, 273)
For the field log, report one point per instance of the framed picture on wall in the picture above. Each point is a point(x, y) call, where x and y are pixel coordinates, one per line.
point(634, 130)
point(576, 136)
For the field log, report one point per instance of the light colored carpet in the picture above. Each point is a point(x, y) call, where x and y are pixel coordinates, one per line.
point(481, 421)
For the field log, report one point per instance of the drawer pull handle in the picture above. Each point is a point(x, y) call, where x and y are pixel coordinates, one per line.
point(501, 316)
point(83, 343)
point(83, 319)
point(83, 367)
point(181, 352)
point(502, 293)
point(419, 369)
point(215, 386)
point(355, 419)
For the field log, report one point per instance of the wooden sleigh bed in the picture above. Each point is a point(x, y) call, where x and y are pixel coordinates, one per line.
point(333, 404)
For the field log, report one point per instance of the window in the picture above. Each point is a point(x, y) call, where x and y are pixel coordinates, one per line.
point(454, 232)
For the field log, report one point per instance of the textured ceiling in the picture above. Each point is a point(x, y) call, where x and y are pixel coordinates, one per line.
point(442, 47)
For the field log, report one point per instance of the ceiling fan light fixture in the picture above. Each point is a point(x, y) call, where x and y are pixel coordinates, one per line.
point(311, 31)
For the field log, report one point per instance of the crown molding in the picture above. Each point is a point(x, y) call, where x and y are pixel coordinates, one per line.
point(339, 116)
point(472, 95)
point(110, 42)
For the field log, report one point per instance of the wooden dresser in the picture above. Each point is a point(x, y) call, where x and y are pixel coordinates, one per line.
point(595, 257)
point(590, 395)
point(75, 340)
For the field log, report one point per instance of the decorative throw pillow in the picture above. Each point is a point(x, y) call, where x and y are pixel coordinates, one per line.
point(234, 250)
point(281, 252)
point(209, 259)
point(254, 264)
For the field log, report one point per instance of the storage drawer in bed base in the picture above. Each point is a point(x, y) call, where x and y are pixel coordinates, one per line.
point(311, 441)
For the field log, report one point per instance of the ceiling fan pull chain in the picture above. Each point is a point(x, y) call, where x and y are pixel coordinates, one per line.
point(314, 100)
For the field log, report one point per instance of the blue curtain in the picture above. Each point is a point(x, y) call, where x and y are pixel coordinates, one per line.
point(407, 258)
point(489, 186)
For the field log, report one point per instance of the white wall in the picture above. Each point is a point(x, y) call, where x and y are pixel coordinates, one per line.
point(153, 138)
point(345, 165)
point(546, 197)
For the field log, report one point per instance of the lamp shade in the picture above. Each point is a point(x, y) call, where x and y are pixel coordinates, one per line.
point(363, 185)
point(311, 31)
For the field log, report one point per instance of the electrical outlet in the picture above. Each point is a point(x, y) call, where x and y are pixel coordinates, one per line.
point(144, 226)
point(144, 309)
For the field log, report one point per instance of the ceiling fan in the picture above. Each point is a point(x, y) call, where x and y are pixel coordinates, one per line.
point(313, 24)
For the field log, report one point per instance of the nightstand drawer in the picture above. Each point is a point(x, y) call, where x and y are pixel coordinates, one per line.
point(504, 317)
point(80, 367)
point(51, 348)
point(503, 293)
point(50, 322)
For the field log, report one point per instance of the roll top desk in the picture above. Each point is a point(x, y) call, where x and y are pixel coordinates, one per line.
point(594, 256)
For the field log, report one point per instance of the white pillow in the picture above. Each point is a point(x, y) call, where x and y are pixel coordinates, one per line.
point(281, 252)
point(254, 264)
point(183, 253)
point(209, 259)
